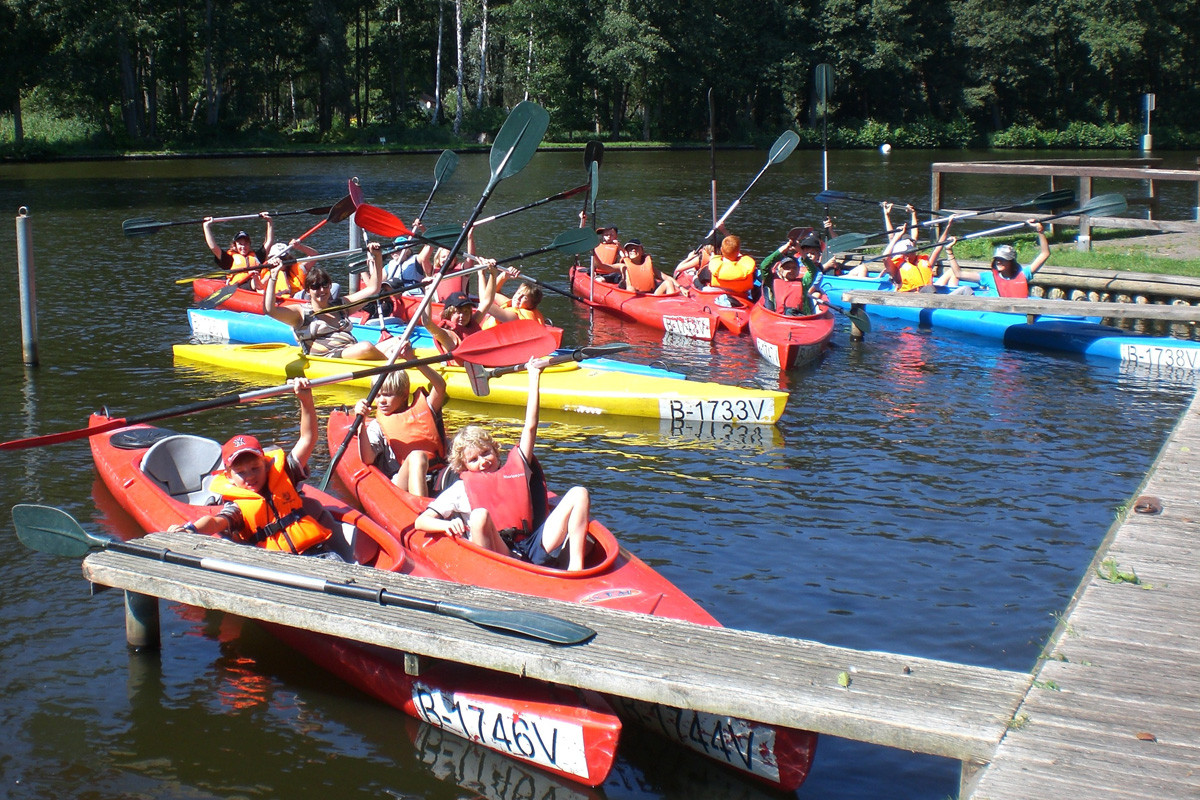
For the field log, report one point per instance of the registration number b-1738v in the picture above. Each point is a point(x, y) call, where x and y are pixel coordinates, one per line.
point(1158, 356)
point(758, 409)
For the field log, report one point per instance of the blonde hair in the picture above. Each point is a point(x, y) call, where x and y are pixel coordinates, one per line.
point(395, 383)
point(475, 436)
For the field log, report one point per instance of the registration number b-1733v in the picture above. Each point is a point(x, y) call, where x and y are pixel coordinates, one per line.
point(757, 409)
point(548, 742)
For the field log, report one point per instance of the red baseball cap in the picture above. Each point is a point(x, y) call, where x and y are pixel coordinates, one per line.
point(238, 445)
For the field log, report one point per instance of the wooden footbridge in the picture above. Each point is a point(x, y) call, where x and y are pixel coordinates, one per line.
point(1112, 710)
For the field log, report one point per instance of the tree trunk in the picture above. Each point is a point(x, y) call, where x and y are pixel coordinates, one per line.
point(483, 49)
point(210, 90)
point(129, 96)
point(437, 81)
point(366, 105)
point(529, 59)
point(458, 46)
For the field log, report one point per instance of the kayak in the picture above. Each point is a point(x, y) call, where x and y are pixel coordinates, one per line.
point(676, 314)
point(218, 325)
point(572, 387)
point(612, 578)
point(1061, 333)
point(731, 310)
point(160, 478)
point(247, 300)
point(788, 341)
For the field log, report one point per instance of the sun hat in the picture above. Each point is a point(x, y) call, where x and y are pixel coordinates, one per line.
point(1005, 252)
point(239, 446)
point(279, 249)
point(903, 246)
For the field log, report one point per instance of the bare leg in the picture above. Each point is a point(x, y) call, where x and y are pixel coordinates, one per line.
point(411, 476)
point(568, 521)
point(483, 532)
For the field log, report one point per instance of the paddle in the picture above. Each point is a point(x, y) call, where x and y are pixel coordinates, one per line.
point(309, 255)
point(593, 156)
point(823, 77)
point(446, 164)
point(830, 195)
point(515, 144)
point(571, 241)
point(1046, 201)
point(225, 292)
point(782, 148)
point(859, 317)
point(846, 242)
point(534, 204)
point(142, 226)
point(498, 346)
point(712, 153)
point(480, 375)
point(50, 530)
point(339, 212)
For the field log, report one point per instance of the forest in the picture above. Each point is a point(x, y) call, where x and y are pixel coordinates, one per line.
point(161, 73)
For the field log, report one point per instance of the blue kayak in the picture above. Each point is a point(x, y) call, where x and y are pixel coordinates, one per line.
point(1062, 333)
point(219, 325)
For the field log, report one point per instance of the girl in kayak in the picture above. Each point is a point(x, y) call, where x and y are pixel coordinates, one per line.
point(1010, 278)
point(406, 437)
point(323, 333)
point(504, 507)
point(263, 505)
point(638, 273)
point(241, 254)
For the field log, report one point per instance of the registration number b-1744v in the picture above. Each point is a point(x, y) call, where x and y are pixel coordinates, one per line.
point(756, 409)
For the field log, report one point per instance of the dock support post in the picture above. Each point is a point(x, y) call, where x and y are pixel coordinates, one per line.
point(27, 288)
point(1084, 240)
point(856, 333)
point(142, 630)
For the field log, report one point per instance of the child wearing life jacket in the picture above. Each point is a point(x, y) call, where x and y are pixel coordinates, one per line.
point(406, 437)
point(638, 273)
point(241, 254)
point(791, 283)
point(1010, 278)
point(501, 503)
point(263, 504)
point(497, 308)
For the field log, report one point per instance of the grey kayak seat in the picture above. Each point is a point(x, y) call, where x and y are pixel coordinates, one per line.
point(183, 466)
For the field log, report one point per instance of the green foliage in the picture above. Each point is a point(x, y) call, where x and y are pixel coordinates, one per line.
point(1076, 136)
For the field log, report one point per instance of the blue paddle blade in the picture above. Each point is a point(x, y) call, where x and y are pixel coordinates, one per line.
point(51, 530)
point(518, 139)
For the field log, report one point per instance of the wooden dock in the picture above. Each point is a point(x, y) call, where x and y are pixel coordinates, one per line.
point(1114, 711)
point(917, 704)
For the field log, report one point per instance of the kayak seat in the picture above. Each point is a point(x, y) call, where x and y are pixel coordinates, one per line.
point(183, 466)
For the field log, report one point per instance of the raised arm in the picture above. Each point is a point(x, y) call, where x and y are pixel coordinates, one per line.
point(269, 239)
point(1043, 242)
point(288, 315)
point(374, 280)
point(211, 240)
point(532, 407)
point(307, 442)
point(941, 242)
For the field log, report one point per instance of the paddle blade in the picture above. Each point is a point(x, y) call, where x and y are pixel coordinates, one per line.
point(593, 153)
point(783, 147)
point(51, 530)
point(507, 343)
point(218, 297)
point(830, 196)
point(140, 226)
point(1060, 198)
point(342, 210)
point(576, 241)
point(518, 139)
point(541, 627)
point(355, 192)
point(477, 377)
point(380, 221)
point(600, 350)
point(593, 188)
point(1103, 205)
point(446, 164)
point(846, 242)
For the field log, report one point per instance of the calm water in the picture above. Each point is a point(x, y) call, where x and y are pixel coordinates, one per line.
point(924, 494)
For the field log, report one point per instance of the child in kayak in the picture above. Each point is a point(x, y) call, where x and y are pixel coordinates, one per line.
point(263, 504)
point(497, 308)
point(406, 437)
point(504, 506)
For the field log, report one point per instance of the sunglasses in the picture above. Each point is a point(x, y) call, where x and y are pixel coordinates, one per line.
point(320, 285)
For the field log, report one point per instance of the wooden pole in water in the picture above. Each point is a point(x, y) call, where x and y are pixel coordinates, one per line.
point(28, 294)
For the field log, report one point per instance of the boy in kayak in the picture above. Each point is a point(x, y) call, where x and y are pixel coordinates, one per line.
point(406, 437)
point(1009, 277)
point(504, 507)
point(263, 505)
point(729, 271)
point(638, 273)
point(789, 284)
point(241, 255)
point(497, 308)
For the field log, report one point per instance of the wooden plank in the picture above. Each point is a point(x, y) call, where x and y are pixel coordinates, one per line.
point(917, 704)
point(1060, 170)
point(1027, 306)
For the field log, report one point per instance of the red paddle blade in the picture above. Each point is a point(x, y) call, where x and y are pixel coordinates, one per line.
point(79, 433)
point(356, 194)
point(380, 221)
point(508, 343)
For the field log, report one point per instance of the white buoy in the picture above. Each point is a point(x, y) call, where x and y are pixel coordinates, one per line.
point(885, 148)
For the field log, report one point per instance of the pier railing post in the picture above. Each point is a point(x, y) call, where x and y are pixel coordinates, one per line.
point(28, 293)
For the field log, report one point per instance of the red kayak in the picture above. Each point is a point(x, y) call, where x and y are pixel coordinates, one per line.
point(732, 310)
point(247, 300)
point(677, 314)
point(160, 479)
point(787, 341)
point(612, 578)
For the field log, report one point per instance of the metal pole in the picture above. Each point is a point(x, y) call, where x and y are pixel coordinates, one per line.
point(28, 294)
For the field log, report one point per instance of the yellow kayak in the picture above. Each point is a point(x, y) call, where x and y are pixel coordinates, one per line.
point(571, 387)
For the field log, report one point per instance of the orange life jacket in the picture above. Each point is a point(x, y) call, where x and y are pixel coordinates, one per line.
point(736, 277)
point(639, 277)
point(603, 258)
point(276, 520)
point(522, 313)
point(241, 262)
point(290, 280)
point(914, 276)
point(514, 496)
point(1017, 286)
point(414, 428)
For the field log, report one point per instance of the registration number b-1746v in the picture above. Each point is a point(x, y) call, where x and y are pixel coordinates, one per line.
point(756, 409)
